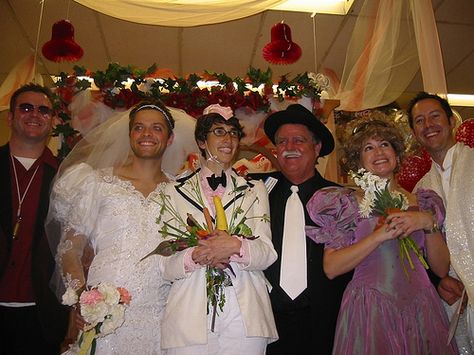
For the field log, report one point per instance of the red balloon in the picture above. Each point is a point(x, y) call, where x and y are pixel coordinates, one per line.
point(465, 133)
point(413, 168)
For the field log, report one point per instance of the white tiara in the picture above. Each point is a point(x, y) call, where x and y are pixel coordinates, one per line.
point(154, 107)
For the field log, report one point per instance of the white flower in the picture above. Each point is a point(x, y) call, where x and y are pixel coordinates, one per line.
point(117, 313)
point(367, 181)
point(113, 320)
point(372, 184)
point(95, 313)
point(111, 294)
point(366, 205)
point(406, 204)
point(146, 85)
point(319, 80)
point(70, 297)
point(115, 91)
point(107, 327)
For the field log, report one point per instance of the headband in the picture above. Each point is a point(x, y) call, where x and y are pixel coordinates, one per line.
point(154, 107)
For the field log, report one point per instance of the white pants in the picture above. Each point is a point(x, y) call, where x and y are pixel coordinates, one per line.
point(228, 337)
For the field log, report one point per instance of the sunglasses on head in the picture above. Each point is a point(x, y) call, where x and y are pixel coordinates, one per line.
point(42, 110)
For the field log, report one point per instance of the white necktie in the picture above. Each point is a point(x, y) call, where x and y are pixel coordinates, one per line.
point(293, 259)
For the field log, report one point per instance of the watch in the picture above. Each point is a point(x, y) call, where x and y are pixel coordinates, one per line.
point(433, 229)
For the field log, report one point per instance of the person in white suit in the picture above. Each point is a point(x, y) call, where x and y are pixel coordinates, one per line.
point(234, 316)
point(451, 176)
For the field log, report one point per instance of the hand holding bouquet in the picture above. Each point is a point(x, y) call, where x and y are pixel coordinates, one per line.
point(380, 201)
point(102, 307)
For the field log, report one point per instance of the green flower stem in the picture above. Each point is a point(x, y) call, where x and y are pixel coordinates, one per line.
point(407, 244)
point(244, 217)
point(403, 255)
point(411, 243)
point(180, 234)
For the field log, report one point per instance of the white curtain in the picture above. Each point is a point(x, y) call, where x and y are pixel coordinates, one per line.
point(179, 13)
point(21, 74)
point(429, 48)
point(391, 41)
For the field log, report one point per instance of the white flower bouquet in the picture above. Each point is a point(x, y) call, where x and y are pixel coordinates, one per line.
point(380, 201)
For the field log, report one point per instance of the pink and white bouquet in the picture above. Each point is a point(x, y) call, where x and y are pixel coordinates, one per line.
point(102, 307)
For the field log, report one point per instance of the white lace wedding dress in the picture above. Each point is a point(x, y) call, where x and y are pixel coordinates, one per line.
point(120, 225)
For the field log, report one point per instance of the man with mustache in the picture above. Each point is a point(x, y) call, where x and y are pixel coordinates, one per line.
point(306, 318)
point(451, 176)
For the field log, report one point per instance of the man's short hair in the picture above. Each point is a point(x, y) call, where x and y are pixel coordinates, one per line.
point(31, 87)
point(205, 122)
point(422, 95)
point(152, 104)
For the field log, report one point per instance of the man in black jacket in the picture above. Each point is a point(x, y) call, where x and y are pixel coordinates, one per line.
point(32, 319)
point(305, 322)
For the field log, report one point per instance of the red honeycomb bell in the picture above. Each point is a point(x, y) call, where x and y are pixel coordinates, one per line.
point(281, 49)
point(62, 46)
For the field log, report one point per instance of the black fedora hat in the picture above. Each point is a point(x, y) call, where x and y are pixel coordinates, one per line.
point(298, 114)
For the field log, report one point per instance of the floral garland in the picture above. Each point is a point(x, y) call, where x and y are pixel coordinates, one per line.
point(179, 92)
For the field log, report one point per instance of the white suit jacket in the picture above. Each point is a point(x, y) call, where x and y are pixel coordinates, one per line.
point(459, 223)
point(184, 321)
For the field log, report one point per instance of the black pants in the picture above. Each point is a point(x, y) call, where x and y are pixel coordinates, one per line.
point(21, 333)
point(294, 331)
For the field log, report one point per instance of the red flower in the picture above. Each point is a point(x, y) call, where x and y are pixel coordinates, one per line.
point(124, 295)
point(66, 93)
point(126, 98)
point(256, 101)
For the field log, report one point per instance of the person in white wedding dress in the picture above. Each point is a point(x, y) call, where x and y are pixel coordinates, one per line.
point(105, 206)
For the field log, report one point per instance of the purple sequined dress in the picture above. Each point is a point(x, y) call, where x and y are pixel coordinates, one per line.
point(383, 311)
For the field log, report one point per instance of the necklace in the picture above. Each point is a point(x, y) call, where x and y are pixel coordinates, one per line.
point(20, 197)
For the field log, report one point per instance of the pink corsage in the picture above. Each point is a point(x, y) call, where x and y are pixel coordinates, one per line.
point(224, 111)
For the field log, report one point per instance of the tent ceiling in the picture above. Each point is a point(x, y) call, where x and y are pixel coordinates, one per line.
point(224, 48)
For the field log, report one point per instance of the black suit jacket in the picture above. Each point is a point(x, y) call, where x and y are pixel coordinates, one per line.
point(53, 316)
point(322, 296)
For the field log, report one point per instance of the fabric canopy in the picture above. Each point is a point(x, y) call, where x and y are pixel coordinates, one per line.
point(180, 13)
point(391, 41)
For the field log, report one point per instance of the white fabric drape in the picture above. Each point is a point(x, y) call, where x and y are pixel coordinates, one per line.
point(20, 75)
point(392, 39)
point(429, 48)
point(180, 13)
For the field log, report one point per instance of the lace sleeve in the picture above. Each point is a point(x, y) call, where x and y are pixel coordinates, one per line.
point(334, 210)
point(69, 225)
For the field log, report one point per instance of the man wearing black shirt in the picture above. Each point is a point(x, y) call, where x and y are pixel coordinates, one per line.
point(306, 324)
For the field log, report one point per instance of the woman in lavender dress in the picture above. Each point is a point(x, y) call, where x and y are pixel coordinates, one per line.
point(386, 309)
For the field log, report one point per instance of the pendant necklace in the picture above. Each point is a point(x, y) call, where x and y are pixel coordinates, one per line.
point(20, 197)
